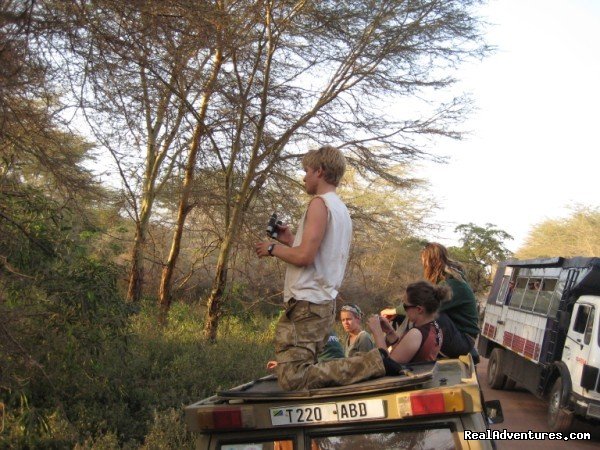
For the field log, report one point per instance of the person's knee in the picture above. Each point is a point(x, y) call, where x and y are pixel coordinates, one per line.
point(290, 376)
point(291, 384)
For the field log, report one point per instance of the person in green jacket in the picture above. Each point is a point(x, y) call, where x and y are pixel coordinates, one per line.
point(457, 317)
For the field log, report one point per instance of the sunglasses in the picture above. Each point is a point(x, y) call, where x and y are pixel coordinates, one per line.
point(409, 306)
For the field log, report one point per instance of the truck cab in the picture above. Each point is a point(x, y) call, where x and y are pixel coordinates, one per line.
point(541, 329)
point(429, 405)
point(581, 356)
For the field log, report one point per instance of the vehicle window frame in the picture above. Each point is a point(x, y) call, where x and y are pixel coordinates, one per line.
point(545, 293)
point(530, 294)
point(503, 292)
point(451, 425)
point(253, 438)
point(518, 292)
point(578, 326)
point(589, 328)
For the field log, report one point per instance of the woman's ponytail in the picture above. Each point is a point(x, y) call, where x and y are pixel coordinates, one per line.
point(442, 293)
point(429, 296)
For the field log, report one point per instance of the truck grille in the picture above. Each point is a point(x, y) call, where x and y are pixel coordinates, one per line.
point(594, 411)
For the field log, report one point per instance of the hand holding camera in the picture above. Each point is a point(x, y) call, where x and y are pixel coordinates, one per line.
point(276, 229)
point(273, 227)
point(386, 326)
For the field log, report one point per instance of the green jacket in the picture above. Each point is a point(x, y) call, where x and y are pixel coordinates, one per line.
point(332, 350)
point(462, 307)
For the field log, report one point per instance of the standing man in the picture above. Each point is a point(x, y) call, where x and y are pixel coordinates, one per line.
point(317, 256)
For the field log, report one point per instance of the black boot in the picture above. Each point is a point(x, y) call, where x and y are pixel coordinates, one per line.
point(392, 368)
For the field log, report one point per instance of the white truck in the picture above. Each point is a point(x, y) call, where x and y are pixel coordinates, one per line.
point(541, 329)
point(430, 405)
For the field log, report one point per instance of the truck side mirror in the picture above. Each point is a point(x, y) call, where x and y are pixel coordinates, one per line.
point(563, 319)
point(493, 411)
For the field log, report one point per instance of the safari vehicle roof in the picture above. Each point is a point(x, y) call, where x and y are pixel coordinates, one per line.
point(558, 261)
point(457, 375)
point(587, 284)
point(266, 388)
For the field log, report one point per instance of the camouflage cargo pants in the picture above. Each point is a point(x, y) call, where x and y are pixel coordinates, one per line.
point(301, 335)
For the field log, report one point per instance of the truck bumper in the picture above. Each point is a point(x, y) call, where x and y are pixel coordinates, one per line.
point(585, 407)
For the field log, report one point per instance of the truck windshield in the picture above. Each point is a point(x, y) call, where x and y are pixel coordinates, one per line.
point(438, 439)
point(270, 445)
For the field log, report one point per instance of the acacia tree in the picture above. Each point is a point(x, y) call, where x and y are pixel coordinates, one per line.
point(31, 140)
point(482, 247)
point(46, 280)
point(576, 235)
point(385, 222)
point(140, 70)
point(303, 73)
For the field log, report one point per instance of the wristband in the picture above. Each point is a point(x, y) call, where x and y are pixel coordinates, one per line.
point(395, 341)
point(270, 249)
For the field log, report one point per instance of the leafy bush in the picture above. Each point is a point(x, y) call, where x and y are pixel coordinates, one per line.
point(105, 388)
point(79, 367)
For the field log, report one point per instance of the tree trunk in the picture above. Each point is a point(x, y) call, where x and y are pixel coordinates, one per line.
point(234, 219)
point(215, 299)
point(164, 292)
point(213, 312)
point(136, 274)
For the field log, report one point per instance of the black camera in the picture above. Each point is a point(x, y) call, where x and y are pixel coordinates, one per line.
point(273, 226)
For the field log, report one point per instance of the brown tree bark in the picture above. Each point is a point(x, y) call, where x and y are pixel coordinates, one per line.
point(136, 273)
point(164, 293)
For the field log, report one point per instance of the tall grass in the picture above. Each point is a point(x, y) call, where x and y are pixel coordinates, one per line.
point(176, 366)
point(145, 385)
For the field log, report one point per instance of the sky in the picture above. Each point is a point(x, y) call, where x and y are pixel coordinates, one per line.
point(532, 152)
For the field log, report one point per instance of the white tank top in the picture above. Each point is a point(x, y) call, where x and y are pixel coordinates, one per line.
point(319, 282)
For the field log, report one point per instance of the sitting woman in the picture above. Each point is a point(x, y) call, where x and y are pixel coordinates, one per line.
point(458, 317)
point(357, 339)
point(423, 341)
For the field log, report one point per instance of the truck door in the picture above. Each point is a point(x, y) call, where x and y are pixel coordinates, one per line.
point(503, 300)
point(579, 342)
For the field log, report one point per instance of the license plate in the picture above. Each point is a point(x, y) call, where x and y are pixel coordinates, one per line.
point(327, 412)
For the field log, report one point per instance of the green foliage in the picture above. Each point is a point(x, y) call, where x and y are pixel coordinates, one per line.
point(132, 391)
point(82, 368)
point(576, 235)
point(482, 247)
point(66, 327)
point(168, 431)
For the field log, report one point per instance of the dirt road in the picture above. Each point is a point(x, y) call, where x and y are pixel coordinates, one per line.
point(524, 412)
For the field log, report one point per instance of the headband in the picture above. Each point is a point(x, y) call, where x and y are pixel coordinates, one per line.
point(354, 309)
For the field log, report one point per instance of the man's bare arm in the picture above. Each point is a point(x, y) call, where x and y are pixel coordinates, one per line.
point(315, 224)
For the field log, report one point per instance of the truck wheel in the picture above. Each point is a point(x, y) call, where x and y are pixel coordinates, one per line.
point(559, 418)
point(495, 375)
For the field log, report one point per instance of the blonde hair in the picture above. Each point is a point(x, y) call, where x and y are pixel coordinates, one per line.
point(330, 160)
